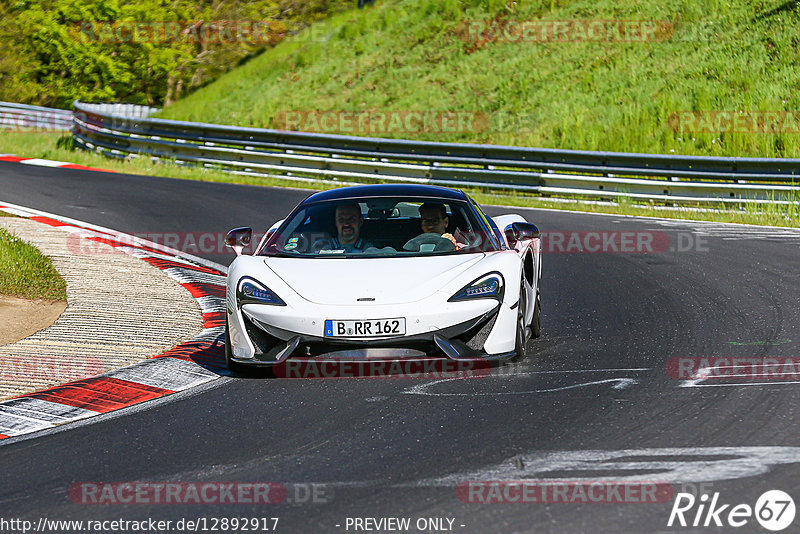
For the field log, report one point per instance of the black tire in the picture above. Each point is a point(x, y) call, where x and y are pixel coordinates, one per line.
point(536, 322)
point(519, 344)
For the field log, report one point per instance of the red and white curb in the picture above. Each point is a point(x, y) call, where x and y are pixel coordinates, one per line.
point(185, 366)
point(48, 163)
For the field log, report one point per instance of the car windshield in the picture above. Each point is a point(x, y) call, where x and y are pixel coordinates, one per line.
point(381, 227)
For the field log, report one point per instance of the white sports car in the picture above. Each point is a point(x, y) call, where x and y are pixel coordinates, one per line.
point(384, 271)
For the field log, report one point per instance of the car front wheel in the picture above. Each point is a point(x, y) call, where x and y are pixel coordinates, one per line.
point(519, 345)
point(536, 323)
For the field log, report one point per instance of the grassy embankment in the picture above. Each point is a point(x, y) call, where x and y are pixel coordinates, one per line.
point(594, 95)
point(27, 273)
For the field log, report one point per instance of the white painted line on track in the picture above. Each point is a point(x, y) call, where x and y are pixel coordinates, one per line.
point(707, 373)
point(774, 383)
point(44, 162)
point(126, 238)
point(556, 372)
point(182, 277)
point(165, 373)
point(701, 376)
point(666, 465)
point(212, 304)
point(679, 465)
point(643, 217)
point(122, 412)
point(45, 410)
point(157, 378)
point(422, 389)
point(210, 335)
point(15, 425)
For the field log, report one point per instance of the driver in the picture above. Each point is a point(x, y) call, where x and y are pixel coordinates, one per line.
point(434, 220)
point(348, 221)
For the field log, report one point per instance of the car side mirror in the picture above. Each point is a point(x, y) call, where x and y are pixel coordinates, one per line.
point(520, 231)
point(238, 238)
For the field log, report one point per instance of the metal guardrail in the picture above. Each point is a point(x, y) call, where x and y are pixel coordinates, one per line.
point(23, 117)
point(126, 110)
point(337, 158)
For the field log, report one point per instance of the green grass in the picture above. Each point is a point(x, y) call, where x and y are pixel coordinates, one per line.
point(26, 273)
point(54, 146)
point(618, 96)
point(41, 145)
point(411, 55)
point(764, 214)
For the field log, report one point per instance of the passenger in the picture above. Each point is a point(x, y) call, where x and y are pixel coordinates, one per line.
point(434, 220)
point(348, 227)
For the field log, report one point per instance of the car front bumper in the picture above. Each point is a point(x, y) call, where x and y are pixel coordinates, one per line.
point(257, 338)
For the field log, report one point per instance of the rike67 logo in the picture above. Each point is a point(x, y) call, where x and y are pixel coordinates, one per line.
point(774, 510)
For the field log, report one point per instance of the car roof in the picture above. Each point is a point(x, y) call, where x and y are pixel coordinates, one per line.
point(388, 190)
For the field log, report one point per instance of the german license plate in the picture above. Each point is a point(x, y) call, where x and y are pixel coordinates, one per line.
point(368, 328)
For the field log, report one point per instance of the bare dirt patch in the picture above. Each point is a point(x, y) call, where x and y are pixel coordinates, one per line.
point(19, 318)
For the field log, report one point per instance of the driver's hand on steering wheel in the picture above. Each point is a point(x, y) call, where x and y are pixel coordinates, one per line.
point(323, 243)
point(452, 239)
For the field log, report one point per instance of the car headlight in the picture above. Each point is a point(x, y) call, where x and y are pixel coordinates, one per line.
point(487, 286)
point(251, 291)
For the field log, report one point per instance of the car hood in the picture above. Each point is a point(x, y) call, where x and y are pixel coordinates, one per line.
point(342, 281)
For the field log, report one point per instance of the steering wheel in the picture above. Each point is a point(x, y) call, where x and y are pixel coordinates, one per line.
point(429, 243)
point(305, 242)
point(323, 243)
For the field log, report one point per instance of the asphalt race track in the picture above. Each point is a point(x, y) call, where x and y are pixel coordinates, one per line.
point(594, 400)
